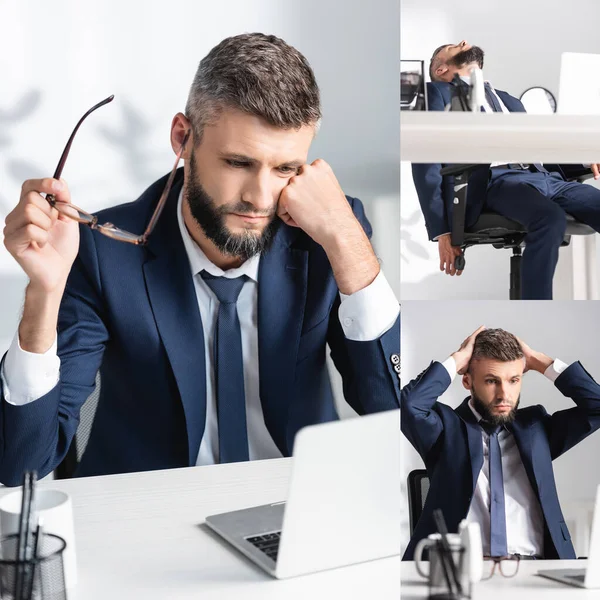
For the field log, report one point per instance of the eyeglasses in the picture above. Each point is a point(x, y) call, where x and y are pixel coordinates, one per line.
point(507, 565)
point(108, 229)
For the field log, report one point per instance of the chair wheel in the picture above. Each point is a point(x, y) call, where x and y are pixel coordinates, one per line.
point(459, 262)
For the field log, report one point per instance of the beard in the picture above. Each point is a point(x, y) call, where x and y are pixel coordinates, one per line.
point(474, 55)
point(211, 219)
point(484, 410)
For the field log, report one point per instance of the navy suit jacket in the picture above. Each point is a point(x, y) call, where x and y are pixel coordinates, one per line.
point(436, 192)
point(450, 444)
point(132, 312)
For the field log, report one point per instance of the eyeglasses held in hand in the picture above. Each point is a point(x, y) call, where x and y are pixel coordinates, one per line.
point(108, 229)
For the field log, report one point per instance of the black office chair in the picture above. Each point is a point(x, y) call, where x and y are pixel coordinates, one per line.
point(67, 467)
point(501, 232)
point(418, 487)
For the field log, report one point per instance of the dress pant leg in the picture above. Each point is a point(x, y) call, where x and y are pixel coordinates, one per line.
point(520, 196)
point(578, 199)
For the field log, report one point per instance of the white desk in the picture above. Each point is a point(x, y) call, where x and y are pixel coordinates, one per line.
point(141, 536)
point(481, 137)
point(525, 585)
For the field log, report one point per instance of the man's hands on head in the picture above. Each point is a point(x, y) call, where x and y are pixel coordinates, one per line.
point(45, 244)
point(462, 356)
point(448, 254)
point(534, 361)
point(314, 201)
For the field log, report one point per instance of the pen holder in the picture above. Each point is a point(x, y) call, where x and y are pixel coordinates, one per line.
point(41, 578)
point(438, 573)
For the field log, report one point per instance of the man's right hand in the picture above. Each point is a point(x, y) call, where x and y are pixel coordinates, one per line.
point(448, 254)
point(42, 241)
point(462, 356)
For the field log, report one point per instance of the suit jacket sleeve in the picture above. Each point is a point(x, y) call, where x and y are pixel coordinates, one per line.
point(38, 435)
point(566, 428)
point(419, 418)
point(367, 368)
point(429, 182)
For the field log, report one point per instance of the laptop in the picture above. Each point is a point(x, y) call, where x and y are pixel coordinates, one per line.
point(343, 503)
point(585, 578)
point(579, 90)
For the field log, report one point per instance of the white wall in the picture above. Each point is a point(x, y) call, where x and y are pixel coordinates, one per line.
point(57, 59)
point(566, 330)
point(523, 42)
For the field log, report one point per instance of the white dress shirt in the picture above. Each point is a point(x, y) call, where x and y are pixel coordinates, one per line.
point(364, 316)
point(524, 518)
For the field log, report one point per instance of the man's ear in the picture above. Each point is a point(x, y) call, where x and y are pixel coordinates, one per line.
point(441, 71)
point(179, 127)
point(467, 381)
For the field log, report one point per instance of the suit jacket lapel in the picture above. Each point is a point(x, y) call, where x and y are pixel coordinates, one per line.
point(175, 306)
point(474, 439)
point(282, 283)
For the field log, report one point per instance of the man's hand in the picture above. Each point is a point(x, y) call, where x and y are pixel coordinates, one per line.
point(314, 201)
point(462, 356)
point(534, 361)
point(43, 242)
point(596, 170)
point(448, 254)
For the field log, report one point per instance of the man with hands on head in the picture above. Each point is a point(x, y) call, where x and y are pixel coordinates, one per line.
point(211, 338)
point(490, 461)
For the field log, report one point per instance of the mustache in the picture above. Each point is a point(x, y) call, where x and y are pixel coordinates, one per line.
point(246, 208)
point(473, 55)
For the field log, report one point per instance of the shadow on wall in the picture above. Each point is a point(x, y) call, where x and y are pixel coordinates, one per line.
point(10, 119)
point(133, 140)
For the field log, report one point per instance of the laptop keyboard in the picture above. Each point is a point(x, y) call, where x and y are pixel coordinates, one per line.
point(267, 543)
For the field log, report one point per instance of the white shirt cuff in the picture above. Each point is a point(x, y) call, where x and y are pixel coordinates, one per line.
point(555, 369)
point(450, 365)
point(437, 237)
point(27, 376)
point(370, 312)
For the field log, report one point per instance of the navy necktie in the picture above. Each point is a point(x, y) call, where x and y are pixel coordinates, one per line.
point(228, 365)
point(491, 98)
point(498, 544)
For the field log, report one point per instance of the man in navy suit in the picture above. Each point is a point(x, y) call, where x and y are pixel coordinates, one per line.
point(529, 194)
point(490, 461)
point(211, 338)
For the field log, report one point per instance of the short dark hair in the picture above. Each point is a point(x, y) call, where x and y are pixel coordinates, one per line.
point(497, 344)
point(433, 64)
point(258, 74)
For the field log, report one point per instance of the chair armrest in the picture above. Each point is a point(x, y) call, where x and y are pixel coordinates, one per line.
point(458, 169)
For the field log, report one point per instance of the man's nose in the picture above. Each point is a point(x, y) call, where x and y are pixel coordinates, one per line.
point(260, 193)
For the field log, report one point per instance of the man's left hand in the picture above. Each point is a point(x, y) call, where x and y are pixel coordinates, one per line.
point(314, 201)
point(595, 170)
point(534, 361)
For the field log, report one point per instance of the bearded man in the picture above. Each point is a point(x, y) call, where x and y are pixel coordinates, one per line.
point(488, 460)
point(210, 330)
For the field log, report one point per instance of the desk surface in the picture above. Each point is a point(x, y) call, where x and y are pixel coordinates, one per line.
point(142, 536)
point(481, 137)
point(525, 585)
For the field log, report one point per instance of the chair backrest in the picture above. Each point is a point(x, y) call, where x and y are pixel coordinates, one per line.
point(86, 419)
point(418, 486)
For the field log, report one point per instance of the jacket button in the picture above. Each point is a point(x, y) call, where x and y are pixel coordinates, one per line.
point(395, 358)
point(397, 368)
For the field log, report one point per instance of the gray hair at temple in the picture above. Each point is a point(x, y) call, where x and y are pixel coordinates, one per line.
point(258, 74)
